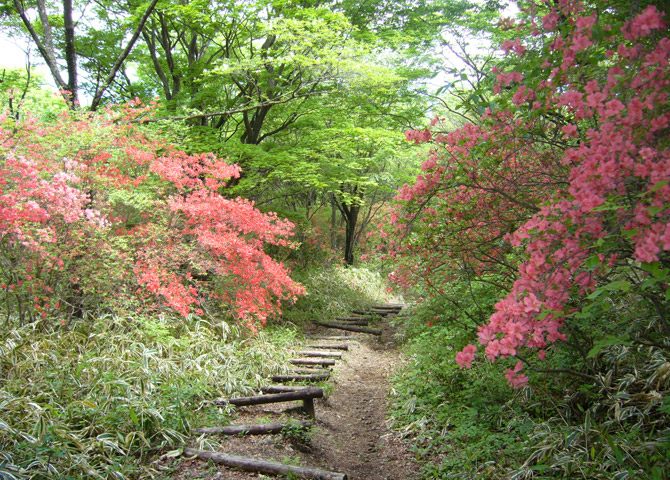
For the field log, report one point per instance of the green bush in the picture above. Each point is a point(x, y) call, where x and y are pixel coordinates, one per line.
point(335, 290)
point(98, 397)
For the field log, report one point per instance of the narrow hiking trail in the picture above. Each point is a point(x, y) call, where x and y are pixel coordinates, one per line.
point(350, 435)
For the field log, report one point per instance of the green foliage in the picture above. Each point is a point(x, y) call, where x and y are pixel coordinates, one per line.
point(469, 424)
point(464, 423)
point(614, 428)
point(25, 91)
point(98, 397)
point(335, 291)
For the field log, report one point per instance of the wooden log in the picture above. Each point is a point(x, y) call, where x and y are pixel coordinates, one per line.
point(360, 323)
point(308, 353)
point(300, 378)
point(310, 371)
point(279, 397)
point(263, 466)
point(283, 388)
point(389, 306)
point(262, 429)
point(341, 346)
point(334, 338)
point(312, 361)
point(307, 396)
point(351, 328)
point(355, 319)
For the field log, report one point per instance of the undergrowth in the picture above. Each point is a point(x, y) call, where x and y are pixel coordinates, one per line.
point(98, 397)
point(101, 397)
point(608, 422)
point(335, 291)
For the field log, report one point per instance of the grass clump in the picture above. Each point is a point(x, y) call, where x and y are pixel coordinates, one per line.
point(334, 291)
point(98, 397)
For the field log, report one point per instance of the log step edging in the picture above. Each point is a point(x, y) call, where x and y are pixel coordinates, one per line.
point(263, 466)
point(283, 388)
point(310, 371)
point(309, 353)
point(333, 338)
point(312, 361)
point(260, 429)
point(342, 346)
point(307, 396)
point(351, 328)
point(300, 378)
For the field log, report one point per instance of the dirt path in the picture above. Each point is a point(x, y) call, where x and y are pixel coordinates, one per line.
point(351, 435)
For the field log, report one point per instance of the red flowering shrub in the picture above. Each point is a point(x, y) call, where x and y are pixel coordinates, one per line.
point(91, 208)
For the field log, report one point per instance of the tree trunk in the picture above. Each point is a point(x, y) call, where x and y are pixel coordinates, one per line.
point(350, 231)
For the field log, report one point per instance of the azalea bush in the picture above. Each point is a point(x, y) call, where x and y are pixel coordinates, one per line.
point(97, 211)
point(564, 193)
point(558, 200)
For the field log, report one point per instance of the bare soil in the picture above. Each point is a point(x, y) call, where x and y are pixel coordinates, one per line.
point(351, 435)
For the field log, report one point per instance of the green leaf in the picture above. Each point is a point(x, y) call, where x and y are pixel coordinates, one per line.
point(592, 262)
point(605, 342)
point(658, 186)
point(622, 285)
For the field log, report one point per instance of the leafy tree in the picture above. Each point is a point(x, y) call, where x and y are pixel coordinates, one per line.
point(53, 29)
point(23, 90)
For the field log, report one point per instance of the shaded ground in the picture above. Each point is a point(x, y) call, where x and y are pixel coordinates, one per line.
point(351, 435)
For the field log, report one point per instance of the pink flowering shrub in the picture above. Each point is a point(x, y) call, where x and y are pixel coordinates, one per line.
point(95, 213)
point(561, 193)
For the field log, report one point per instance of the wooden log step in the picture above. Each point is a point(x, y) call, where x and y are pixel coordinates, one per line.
point(317, 377)
point(311, 392)
point(307, 396)
point(261, 429)
point(312, 361)
point(390, 306)
point(263, 466)
point(360, 323)
point(310, 371)
point(283, 388)
point(341, 346)
point(377, 313)
point(334, 338)
point(351, 328)
point(356, 319)
point(309, 353)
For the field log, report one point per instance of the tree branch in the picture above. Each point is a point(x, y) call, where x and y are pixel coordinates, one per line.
point(123, 55)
